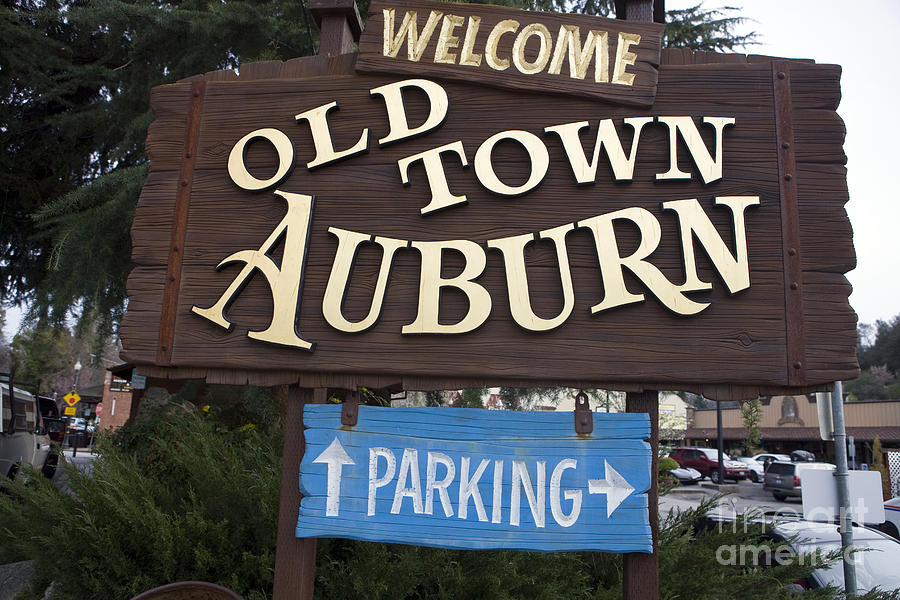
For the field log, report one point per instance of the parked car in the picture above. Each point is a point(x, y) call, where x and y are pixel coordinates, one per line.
point(766, 459)
point(23, 439)
point(876, 562)
point(783, 478)
point(706, 461)
point(891, 526)
point(802, 456)
point(756, 468)
point(686, 476)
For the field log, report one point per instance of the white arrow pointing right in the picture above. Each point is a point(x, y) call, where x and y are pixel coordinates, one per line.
point(615, 487)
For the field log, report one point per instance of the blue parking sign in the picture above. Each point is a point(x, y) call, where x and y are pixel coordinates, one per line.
point(477, 479)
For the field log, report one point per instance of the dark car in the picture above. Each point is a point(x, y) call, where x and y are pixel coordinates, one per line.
point(783, 478)
point(802, 456)
point(706, 461)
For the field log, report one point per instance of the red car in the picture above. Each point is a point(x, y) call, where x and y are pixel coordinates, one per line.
point(706, 461)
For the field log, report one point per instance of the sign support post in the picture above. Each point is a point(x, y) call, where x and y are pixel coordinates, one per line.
point(295, 558)
point(843, 488)
point(640, 573)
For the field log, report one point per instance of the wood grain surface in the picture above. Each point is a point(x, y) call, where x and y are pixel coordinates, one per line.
point(735, 348)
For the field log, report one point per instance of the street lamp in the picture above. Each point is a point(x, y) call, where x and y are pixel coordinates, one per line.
point(77, 372)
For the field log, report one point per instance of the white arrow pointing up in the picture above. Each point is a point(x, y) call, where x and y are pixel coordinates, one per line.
point(335, 457)
point(614, 486)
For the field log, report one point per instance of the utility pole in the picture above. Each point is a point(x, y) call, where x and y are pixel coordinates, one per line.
point(843, 489)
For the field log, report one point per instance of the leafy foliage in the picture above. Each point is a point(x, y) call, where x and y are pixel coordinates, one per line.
point(879, 358)
point(183, 496)
point(751, 414)
point(75, 80)
point(41, 352)
point(177, 498)
point(696, 28)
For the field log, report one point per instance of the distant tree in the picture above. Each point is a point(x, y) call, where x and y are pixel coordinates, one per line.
point(4, 343)
point(884, 349)
point(43, 353)
point(472, 398)
point(751, 414)
point(697, 28)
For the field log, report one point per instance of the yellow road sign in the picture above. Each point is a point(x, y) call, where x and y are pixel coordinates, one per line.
point(72, 398)
point(69, 411)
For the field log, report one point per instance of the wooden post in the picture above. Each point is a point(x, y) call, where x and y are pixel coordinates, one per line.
point(339, 25)
point(295, 558)
point(640, 573)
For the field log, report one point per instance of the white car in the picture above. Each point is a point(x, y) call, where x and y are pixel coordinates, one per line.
point(876, 564)
point(757, 471)
point(22, 436)
point(891, 525)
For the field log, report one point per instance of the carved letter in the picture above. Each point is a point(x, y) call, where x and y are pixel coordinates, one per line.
point(625, 58)
point(431, 282)
point(447, 41)
point(441, 197)
point(710, 170)
point(238, 172)
point(518, 49)
point(467, 56)
point(415, 45)
point(399, 128)
point(539, 160)
point(321, 135)
point(493, 40)
point(595, 46)
point(284, 283)
point(586, 172)
point(693, 222)
point(611, 263)
point(348, 242)
point(513, 249)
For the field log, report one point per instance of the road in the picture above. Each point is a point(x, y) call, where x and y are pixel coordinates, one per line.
point(749, 497)
point(83, 459)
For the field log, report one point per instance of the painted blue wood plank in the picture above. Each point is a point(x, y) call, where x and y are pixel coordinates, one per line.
point(477, 479)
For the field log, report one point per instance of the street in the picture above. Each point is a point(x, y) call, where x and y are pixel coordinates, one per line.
point(83, 459)
point(749, 497)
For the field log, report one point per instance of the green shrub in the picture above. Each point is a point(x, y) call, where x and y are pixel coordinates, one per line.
point(177, 498)
point(185, 496)
point(667, 464)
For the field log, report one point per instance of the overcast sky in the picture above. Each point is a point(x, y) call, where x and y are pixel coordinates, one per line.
point(863, 43)
point(862, 38)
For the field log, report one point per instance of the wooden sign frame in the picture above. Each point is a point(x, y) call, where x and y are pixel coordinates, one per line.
point(812, 281)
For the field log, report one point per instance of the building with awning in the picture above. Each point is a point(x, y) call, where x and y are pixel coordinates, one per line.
point(791, 423)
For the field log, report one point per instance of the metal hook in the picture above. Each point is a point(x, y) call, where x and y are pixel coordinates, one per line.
point(584, 420)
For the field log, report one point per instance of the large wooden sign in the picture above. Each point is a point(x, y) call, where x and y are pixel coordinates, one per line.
point(476, 479)
point(414, 231)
